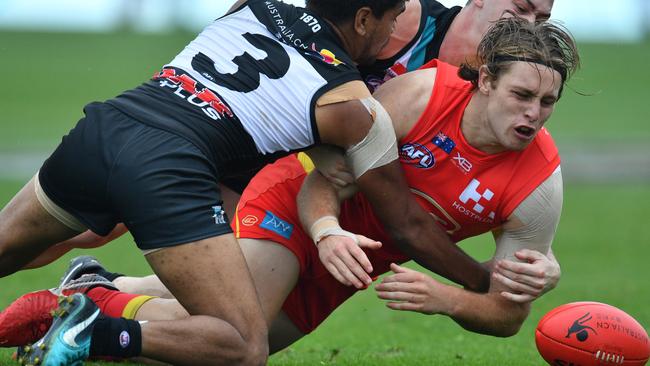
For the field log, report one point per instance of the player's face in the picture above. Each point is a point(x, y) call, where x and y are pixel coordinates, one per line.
point(531, 10)
point(379, 35)
point(520, 101)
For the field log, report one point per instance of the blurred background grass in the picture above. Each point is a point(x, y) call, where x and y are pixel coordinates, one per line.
point(603, 240)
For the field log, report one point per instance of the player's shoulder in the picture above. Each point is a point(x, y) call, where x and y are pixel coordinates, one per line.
point(544, 145)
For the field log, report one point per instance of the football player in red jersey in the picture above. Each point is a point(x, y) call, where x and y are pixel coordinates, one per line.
point(493, 117)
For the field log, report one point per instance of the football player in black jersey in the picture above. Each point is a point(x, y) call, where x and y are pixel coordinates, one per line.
point(152, 158)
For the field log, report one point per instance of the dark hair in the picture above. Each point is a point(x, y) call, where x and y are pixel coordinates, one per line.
point(515, 39)
point(341, 11)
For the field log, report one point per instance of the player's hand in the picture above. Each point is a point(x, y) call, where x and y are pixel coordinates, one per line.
point(537, 275)
point(411, 290)
point(345, 260)
point(330, 162)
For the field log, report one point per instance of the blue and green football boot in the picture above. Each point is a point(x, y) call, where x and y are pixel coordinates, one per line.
point(68, 340)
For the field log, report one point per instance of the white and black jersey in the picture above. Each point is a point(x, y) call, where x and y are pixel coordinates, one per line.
point(244, 90)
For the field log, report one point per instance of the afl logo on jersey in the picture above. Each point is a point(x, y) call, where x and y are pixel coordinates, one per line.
point(416, 154)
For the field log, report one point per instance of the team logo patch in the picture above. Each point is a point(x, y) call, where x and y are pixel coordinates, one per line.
point(219, 215)
point(277, 225)
point(249, 220)
point(125, 339)
point(416, 154)
point(580, 328)
point(444, 142)
point(324, 55)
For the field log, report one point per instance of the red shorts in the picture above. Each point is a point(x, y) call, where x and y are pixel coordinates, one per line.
point(267, 210)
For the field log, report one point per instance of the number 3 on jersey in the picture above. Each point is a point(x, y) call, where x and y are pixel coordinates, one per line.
point(275, 65)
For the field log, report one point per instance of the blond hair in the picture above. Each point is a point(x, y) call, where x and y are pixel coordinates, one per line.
point(515, 39)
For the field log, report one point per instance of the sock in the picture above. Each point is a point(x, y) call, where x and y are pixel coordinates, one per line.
point(116, 337)
point(117, 304)
point(111, 276)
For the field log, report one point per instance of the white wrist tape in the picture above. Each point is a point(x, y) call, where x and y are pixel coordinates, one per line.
point(326, 226)
point(379, 147)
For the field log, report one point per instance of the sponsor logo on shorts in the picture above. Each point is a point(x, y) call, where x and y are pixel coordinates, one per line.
point(125, 339)
point(416, 154)
point(277, 225)
point(249, 220)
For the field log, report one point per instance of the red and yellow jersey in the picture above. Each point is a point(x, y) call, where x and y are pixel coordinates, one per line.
point(467, 192)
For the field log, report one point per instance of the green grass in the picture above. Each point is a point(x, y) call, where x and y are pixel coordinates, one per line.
point(602, 244)
point(48, 78)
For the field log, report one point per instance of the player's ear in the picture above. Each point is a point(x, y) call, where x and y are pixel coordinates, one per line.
point(478, 3)
point(485, 80)
point(362, 21)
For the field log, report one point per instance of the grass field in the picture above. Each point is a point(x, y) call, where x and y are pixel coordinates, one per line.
point(602, 244)
point(603, 241)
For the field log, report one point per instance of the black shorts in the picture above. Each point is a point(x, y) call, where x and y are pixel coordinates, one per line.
point(111, 168)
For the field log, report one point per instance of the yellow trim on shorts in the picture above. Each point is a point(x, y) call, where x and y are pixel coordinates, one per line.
point(134, 305)
point(237, 233)
point(306, 162)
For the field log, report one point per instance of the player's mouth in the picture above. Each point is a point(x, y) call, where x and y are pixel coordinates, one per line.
point(525, 132)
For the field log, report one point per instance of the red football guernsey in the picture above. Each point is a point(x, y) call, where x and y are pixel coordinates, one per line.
point(467, 191)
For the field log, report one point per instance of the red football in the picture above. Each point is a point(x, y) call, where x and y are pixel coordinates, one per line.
point(590, 334)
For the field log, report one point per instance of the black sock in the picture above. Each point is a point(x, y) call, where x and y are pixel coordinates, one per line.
point(116, 337)
point(111, 276)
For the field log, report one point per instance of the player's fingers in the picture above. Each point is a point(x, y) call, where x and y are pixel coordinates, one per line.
point(345, 175)
point(331, 268)
point(361, 258)
point(528, 255)
point(405, 306)
point(516, 269)
point(399, 269)
point(517, 286)
point(366, 242)
point(399, 296)
point(523, 278)
point(520, 298)
point(517, 280)
point(351, 270)
point(397, 287)
point(400, 277)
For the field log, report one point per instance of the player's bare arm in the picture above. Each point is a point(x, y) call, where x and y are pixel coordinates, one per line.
point(528, 233)
point(347, 124)
point(520, 263)
point(488, 313)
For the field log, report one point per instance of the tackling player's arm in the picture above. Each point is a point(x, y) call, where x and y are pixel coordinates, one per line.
point(364, 129)
point(530, 228)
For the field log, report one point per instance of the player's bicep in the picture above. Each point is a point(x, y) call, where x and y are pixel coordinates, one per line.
point(533, 223)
